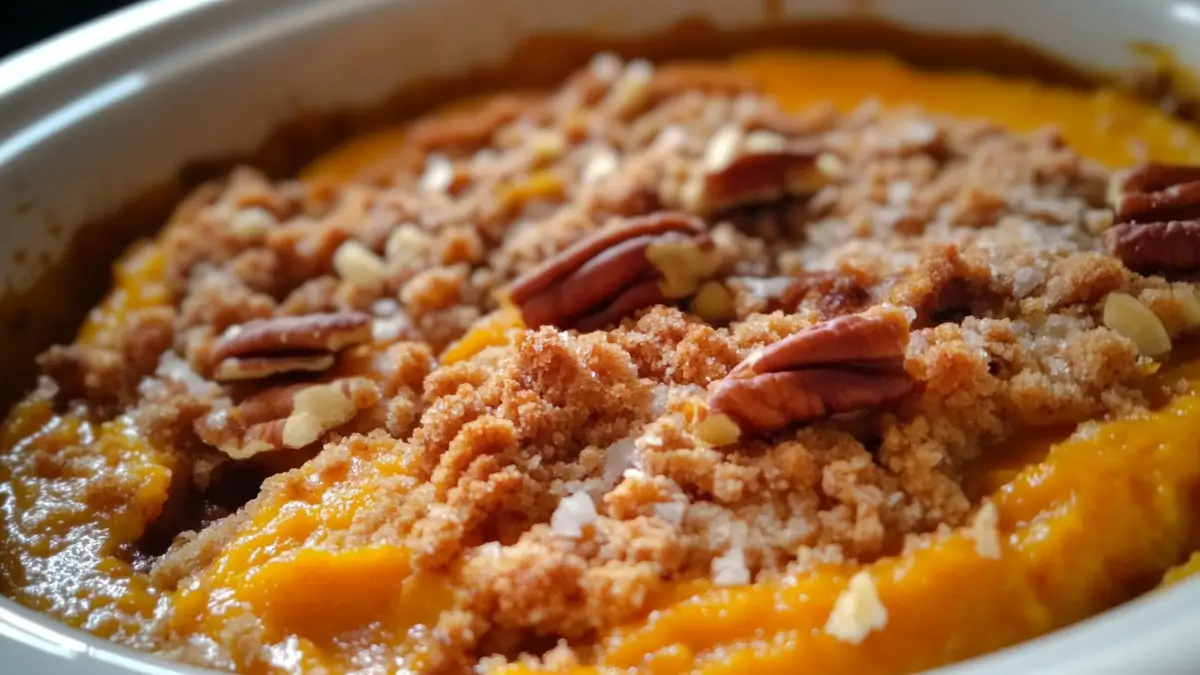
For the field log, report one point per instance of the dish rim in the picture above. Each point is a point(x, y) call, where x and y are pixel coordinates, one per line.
point(1156, 629)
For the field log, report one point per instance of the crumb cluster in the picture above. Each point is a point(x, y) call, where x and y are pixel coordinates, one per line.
point(561, 475)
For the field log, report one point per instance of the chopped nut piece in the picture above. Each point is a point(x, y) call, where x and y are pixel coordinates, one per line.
point(713, 302)
point(611, 274)
point(838, 366)
point(603, 162)
point(266, 347)
point(857, 612)
point(757, 177)
point(683, 264)
point(1188, 297)
point(1127, 316)
point(547, 144)
point(358, 264)
point(722, 148)
point(762, 140)
point(691, 195)
point(251, 222)
point(632, 90)
point(317, 409)
point(830, 165)
point(718, 430)
point(291, 416)
point(408, 242)
point(1098, 221)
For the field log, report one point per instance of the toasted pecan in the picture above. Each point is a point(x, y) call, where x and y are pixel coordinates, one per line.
point(1157, 247)
point(613, 273)
point(266, 347)
point(290, 416)
point(838, 366)
point(1156, 210)
point(755, 176)
point(235, 369)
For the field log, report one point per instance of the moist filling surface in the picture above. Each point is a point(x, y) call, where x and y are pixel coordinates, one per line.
point(672, 368)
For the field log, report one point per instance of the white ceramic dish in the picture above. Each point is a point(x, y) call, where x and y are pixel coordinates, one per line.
point(96, 116)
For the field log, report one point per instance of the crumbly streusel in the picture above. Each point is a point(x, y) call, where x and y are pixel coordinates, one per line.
point(560, 475)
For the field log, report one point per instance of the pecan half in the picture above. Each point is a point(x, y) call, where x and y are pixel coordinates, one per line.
point(1156, 208)
point(292, 416)
point(265, 347)
point(760, 172)
point(645, 261)
point(1172, 247)
point(837, 366)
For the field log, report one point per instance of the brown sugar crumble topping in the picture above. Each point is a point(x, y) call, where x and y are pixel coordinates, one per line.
point(754, 342)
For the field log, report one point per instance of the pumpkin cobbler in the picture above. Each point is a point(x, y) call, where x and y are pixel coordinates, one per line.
point(793, 362)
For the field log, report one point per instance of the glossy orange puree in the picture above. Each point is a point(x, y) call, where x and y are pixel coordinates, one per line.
point(1086, 521)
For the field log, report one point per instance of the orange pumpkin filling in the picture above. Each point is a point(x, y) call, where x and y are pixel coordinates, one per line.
point(545, 499)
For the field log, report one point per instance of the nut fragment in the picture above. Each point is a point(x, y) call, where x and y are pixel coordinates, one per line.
point(1157, 215)
point(408, 243)
point(251, 223)
point(718, 430)
point(838, 366)
point(291, 416)
point(713, 302)
point(1188, 297)
point(644, 261)
point(632, 89)
point(1127, 316)
point(547, 144)
point(722, 147)
point(358, 264)
point(761, 171)
point(317, 409)
point(266, 347)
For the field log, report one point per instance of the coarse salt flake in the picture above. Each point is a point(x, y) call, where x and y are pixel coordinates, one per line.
point(672, 512)
point(730, 569)
point(617, 458)
point(1025, 281)
point(603, 162)
point(574, 513)
point(439, 174)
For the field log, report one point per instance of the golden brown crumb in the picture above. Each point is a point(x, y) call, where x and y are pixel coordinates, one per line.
point(566, 477)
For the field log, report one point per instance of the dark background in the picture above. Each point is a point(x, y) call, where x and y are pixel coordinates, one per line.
point(23, 22)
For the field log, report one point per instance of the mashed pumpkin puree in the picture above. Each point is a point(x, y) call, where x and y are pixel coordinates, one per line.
point(1076, 521)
